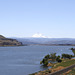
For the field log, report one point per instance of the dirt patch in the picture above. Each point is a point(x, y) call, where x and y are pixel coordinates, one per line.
point(57, 69)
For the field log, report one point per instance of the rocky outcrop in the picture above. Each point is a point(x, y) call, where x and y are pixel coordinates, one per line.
point(9, 42)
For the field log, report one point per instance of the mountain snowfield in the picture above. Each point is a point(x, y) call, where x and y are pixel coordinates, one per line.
point(39, 35)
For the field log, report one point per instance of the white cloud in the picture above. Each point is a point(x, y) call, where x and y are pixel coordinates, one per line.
point(38, 35)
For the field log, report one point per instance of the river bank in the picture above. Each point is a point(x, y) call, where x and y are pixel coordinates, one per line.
point(56, 67)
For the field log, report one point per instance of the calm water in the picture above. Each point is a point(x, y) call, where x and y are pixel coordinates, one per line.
point(25, 60)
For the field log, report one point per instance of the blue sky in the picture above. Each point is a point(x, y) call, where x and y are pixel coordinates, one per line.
point(24, 18)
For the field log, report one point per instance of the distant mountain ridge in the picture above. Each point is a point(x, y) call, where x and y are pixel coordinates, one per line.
point(47, 41)
point(9, 42)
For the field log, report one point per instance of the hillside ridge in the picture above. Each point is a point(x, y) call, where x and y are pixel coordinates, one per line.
point(9, 42)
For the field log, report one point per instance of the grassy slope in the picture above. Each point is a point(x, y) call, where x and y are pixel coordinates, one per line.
point(65, 63)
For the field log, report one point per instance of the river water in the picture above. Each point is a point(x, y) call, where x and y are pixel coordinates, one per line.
point(24, 60)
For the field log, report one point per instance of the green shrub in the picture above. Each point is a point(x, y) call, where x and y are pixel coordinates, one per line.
point(67, 56)
point(73, 50)
point(47, 56)
point(53, 56)
point(44, 62)
point(59, 60)
point(40, 62)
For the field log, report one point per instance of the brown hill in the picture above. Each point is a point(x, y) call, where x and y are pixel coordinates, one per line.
point(9, 42)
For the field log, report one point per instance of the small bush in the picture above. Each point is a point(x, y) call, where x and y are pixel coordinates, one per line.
point(59, 60)
point(40, 62)
point(47, 56)
point(67, 56)
point(53, 56)
point(44, 62)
